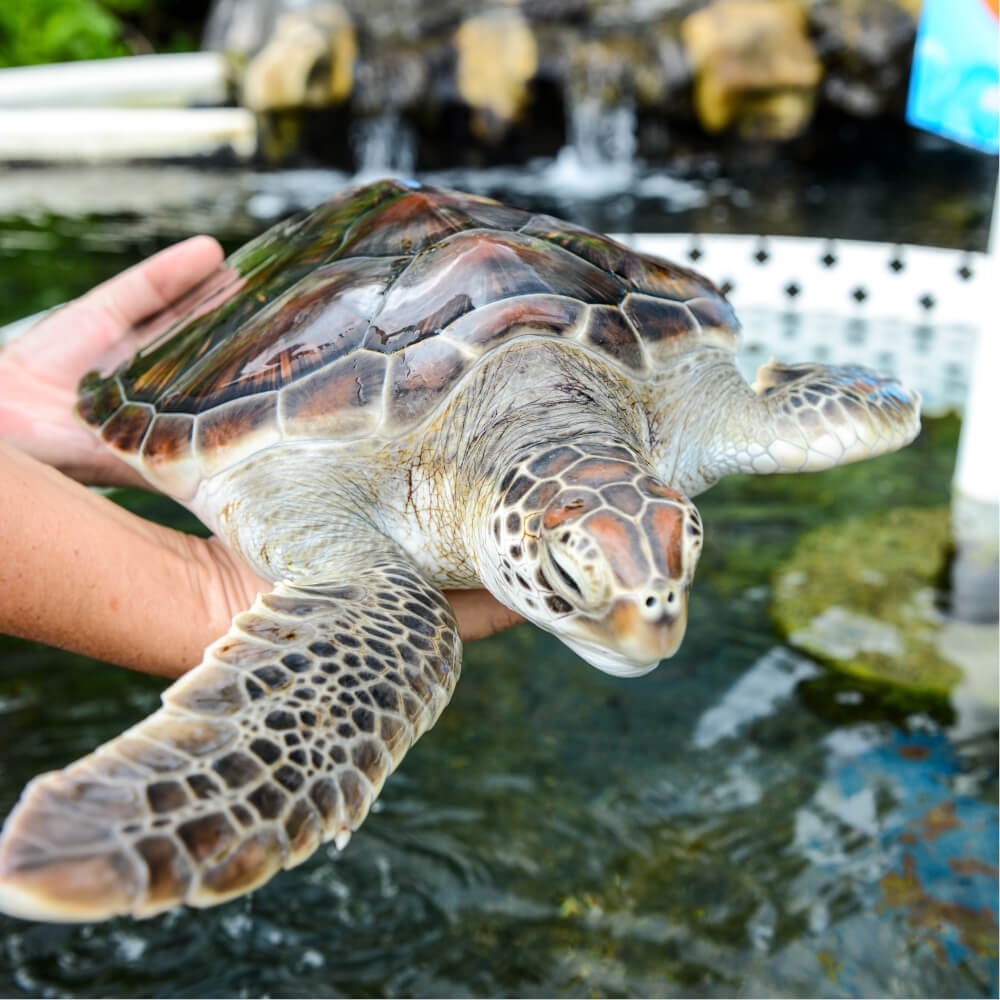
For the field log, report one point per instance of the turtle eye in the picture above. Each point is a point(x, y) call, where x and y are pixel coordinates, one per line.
point(566, 578)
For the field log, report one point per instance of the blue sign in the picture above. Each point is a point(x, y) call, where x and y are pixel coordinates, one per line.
point(955, 80)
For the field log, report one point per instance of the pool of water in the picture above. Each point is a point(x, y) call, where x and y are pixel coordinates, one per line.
point(740, 822)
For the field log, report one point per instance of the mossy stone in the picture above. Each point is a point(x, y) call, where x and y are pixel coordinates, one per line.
point(859, 595)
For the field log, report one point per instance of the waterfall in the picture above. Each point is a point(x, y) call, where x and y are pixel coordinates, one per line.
point(600, 155)
point(383, 145)
point(603, 136)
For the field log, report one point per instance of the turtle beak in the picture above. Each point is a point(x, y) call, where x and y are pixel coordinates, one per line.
point(633, 637)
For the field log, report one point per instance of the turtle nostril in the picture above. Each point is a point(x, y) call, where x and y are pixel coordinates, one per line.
point(650, 602)
point(670, 597)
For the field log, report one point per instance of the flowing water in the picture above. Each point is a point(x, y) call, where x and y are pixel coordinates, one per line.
point(739, 822)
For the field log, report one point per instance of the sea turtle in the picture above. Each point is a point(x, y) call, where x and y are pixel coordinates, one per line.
point(402, 390)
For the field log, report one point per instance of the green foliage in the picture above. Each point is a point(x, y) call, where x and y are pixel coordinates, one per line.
point(44, 31)
point(34, 31)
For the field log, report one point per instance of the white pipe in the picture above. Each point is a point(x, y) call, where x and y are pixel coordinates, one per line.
point(102, 135)
point(170, 80)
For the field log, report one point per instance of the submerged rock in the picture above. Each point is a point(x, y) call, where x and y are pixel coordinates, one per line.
point(860, 595)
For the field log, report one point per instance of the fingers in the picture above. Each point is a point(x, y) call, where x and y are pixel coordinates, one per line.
point(66, 343)
point(154, 283)
point(479, 613)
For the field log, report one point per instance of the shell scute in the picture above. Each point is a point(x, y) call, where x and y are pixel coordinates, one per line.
point(168, 454)
point(610, 332)
point(234, 430)
point(322, 317)
point(316, 236)
point(98, 400)
point(404, 226)
point(715, 314)
point(488, 213)
point(666, 327)
point(341, 400)
point(493, 324)
point(653, 276)
point(420, 377)
point(387, 335)
point(249, 280)
point(126, 429)
point(604, 253)
point(640, 272)
point(493, 266)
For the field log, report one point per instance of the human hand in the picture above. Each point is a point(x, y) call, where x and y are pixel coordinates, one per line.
point(39, 371)
point(157, 577)
point(227, 586)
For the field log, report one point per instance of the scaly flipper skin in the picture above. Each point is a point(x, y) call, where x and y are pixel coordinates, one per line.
point(818, 416)
point(281, 739)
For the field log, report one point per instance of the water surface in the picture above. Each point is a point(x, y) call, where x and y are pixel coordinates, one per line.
point(739, 822)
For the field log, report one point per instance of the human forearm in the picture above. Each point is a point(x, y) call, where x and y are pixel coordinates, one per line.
point(82, 573)
point(78, 571)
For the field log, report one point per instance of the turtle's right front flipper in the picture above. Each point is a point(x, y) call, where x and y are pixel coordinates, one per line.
point(813, 416)
point(279, 740)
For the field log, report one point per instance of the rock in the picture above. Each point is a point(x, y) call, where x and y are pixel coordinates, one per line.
point(497, 57)
point(755, 69)
point(860, 596)
point(866, 47)
point(492, 82)
point(308, 62)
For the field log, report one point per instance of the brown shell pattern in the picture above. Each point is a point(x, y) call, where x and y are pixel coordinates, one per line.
point(359, 318)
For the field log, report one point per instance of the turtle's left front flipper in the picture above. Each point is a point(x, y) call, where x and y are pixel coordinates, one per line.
point(279, 740)
point(813, 416)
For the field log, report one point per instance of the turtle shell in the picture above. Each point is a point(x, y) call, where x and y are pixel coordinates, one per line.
point(359, 318)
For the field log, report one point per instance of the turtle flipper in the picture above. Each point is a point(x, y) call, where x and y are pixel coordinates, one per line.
point(817, 416)
point(281, 739)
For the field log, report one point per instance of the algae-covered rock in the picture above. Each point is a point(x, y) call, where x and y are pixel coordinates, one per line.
point(860, 595)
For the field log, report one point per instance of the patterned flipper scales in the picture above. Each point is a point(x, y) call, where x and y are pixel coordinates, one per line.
point(281, 739)
point(817, 416)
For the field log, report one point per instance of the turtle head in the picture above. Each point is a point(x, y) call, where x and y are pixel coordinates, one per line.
point(603, 556)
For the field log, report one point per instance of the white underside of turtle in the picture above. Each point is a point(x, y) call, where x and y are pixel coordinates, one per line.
point(402, 391)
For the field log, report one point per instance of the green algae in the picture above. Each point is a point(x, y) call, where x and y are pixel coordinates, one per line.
point(860, 595)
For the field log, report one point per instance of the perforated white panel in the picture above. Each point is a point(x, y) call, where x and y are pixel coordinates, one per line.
point(911, 311)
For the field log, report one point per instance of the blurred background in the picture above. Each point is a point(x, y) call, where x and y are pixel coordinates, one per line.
point(751, 116)
point(803, 802)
